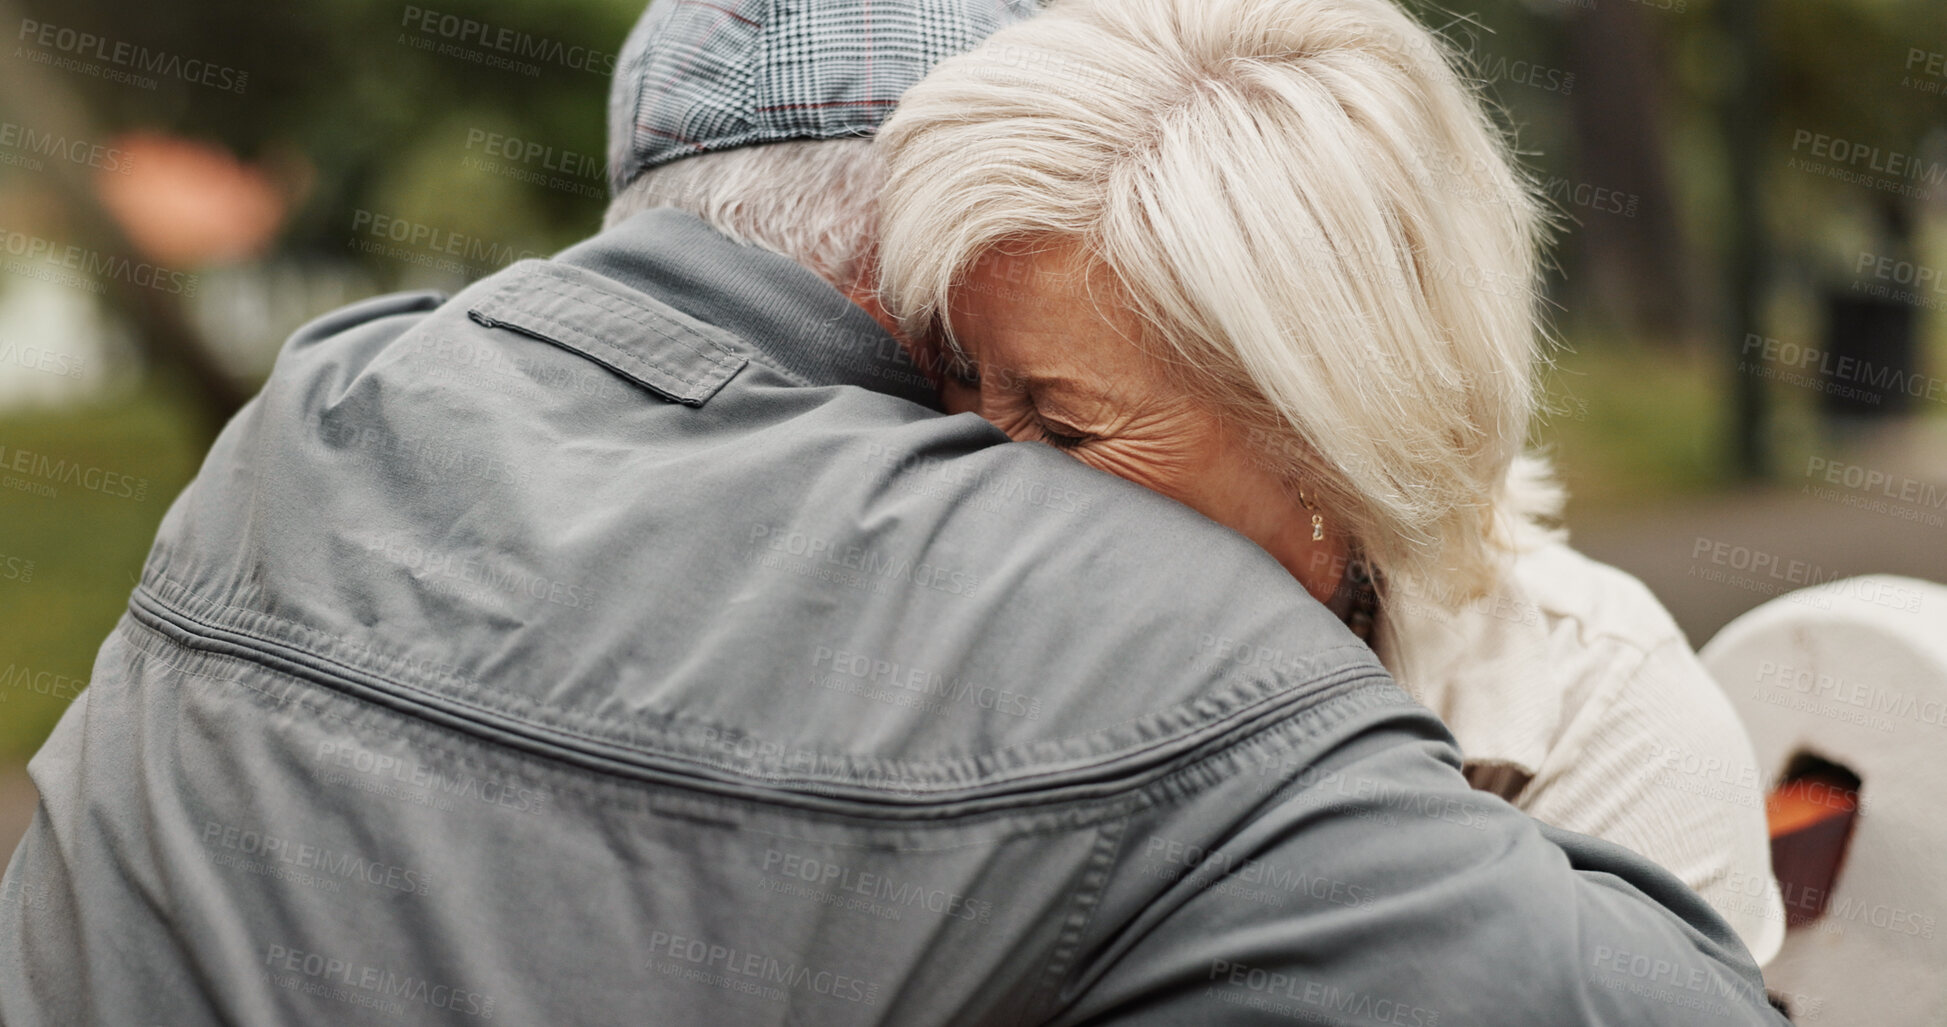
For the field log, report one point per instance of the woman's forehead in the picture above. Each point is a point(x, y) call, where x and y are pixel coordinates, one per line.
point(1050, 308)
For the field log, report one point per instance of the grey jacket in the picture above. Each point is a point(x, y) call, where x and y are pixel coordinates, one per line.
point(625, 640)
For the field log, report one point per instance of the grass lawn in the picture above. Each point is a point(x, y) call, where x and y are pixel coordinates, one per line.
point(86, 546)
point(1630, 428)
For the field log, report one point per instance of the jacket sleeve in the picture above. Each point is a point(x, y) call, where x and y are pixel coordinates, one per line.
point(1372, 886)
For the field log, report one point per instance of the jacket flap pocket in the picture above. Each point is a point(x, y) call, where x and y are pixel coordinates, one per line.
point(654, 345)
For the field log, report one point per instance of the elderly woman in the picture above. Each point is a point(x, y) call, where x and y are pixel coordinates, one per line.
point(1272, 258)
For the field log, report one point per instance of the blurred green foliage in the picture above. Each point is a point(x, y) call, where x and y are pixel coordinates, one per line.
point(338, 93)
point(1628, 427)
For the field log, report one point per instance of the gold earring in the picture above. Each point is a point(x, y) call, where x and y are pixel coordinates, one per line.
point(1318, 520)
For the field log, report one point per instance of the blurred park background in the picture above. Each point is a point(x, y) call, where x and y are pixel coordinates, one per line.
point(1746, 280)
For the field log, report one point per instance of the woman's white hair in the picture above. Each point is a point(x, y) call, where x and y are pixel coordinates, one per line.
point(814, 200)
point(1315, 217)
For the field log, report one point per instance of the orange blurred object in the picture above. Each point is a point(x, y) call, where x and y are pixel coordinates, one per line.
point(1811, 820)
point(186, 203)
point(1800, 804)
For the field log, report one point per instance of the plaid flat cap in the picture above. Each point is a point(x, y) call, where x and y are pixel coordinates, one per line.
point(695, 77)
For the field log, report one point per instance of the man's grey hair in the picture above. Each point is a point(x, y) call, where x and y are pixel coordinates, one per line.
point(815, 201)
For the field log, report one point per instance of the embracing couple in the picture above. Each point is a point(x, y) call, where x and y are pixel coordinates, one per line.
point(669, 632)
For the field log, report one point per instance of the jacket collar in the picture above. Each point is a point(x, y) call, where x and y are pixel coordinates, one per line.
point(789, 318)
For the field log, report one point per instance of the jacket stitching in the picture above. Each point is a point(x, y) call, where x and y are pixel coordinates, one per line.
point(448, 747)
point(1243, 696)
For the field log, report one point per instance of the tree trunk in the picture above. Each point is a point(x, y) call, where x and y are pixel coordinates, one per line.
point(1634, 269)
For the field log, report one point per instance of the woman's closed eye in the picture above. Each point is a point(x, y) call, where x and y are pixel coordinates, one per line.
point(1017, 403)
point(1059, 435)
point(1045, 420)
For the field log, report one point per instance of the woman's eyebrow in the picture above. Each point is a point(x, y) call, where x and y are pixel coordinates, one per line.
point(1085, 401)
point(1069, 385)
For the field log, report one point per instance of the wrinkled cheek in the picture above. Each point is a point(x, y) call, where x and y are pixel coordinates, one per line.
point(1018, 427)
point(1158, 472)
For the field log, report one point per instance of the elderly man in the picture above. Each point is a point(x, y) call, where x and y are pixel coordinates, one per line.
point(627, 639)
